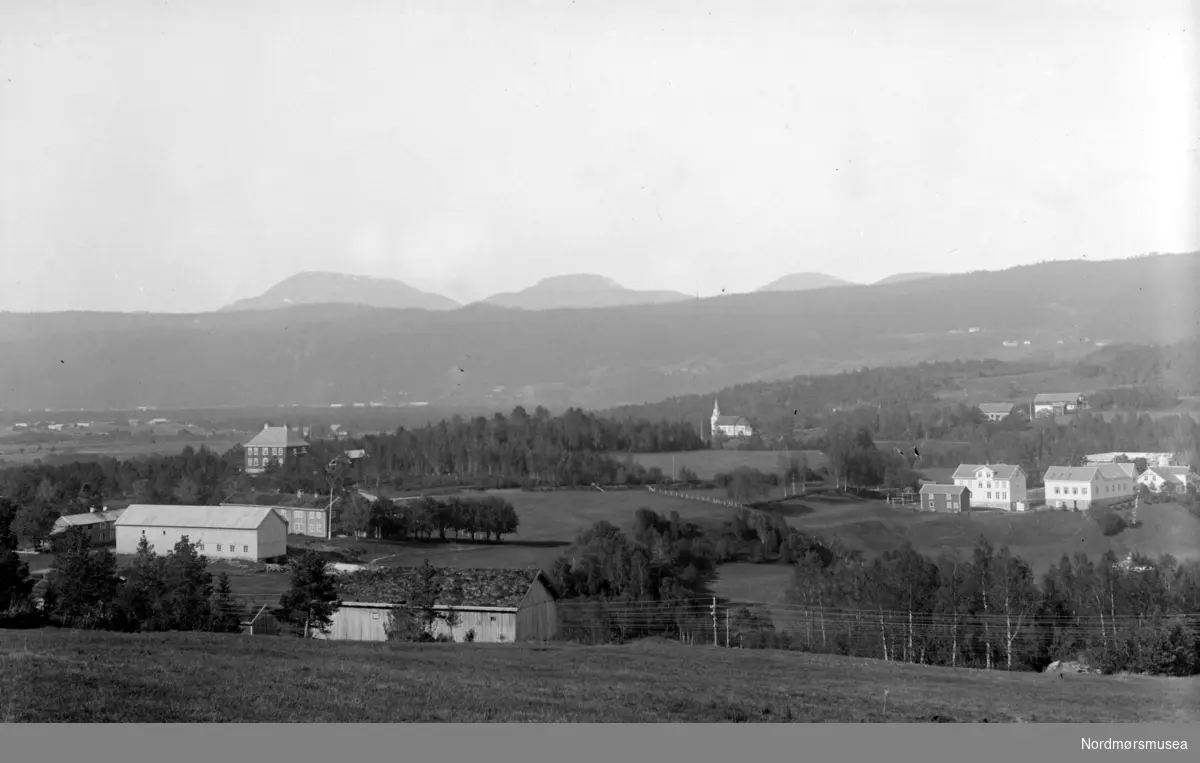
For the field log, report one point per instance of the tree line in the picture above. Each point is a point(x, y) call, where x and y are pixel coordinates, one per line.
point(520, 450)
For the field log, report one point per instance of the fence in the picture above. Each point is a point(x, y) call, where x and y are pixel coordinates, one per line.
point(694, 497)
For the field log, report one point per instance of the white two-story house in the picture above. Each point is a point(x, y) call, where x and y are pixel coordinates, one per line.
point(993, 486)
point(1083, 487)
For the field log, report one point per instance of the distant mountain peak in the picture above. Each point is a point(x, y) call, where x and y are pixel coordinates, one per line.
point(580, 290)
point(805, 282)
point(314, 287)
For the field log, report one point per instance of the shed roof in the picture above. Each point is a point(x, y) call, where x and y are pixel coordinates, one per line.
point(89, 518)
point(968, 471)
point(276, 437)
point(479, 587)
point(207, 517)
point(930, 487)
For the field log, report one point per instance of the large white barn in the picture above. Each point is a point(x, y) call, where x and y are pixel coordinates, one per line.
point(220, 532)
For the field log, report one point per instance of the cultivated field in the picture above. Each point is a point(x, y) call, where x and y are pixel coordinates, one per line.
point(1041, 538)
point(1015, 388)
point(55, 676)
point(708, 463)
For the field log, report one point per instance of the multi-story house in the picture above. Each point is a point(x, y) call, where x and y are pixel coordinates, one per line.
point(1083, 487)
point(273, 444)
point(993, 486)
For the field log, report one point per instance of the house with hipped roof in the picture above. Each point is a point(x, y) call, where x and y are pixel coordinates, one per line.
point(489, 605)
point(995, 412)
point(994, 486)
point(273, 445)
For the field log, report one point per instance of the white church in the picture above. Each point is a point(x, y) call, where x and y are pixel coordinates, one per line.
point(729, 426)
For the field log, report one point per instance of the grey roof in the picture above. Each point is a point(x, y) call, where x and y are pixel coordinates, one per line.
point(731, 421)
point(1177, 477)
point(500, 587)
point(1002, 471)
point(996, 407)
point(206, 517)
point(89, 518)
point(930, 487)
point(1087, 473)
point(1057, 397)
point(276, 437)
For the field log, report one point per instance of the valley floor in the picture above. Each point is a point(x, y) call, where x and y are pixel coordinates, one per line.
point(87, 677)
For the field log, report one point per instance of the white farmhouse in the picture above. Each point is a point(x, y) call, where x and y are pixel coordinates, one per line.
point(994, 486)
point(220, 532)
point(1082, 487)
point(1156, 478)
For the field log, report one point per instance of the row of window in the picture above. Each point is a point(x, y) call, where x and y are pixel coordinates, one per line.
point(265, 451)
point(232, 548)
point(1060, 490)
point(264, 461)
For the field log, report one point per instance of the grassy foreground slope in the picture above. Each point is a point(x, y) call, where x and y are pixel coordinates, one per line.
point(64, 676)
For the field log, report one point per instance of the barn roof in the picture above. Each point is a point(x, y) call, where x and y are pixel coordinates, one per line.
point(207, 517)
point(930, 487)
point(1002, 471)
point(478, 587)
point(276, 437)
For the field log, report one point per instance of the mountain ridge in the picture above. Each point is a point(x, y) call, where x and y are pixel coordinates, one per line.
point(592, 358)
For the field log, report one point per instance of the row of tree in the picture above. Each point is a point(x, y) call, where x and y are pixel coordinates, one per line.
point(491, 517)
point(989, 610)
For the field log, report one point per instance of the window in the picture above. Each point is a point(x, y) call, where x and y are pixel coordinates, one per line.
point(218, 546)
point(200, 546)
point(245, 549)
point(989, 495)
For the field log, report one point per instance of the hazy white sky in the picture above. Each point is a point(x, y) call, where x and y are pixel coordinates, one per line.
point(177, 156)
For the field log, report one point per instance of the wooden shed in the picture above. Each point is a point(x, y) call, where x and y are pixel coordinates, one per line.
point(491, 605)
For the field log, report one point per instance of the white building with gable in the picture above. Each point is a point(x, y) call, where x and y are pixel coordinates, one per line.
point(219, 532)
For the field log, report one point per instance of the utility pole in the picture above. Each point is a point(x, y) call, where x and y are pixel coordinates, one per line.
point(714, 618)
point(727, 644)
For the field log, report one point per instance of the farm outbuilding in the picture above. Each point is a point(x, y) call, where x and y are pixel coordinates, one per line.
point(945, 498)
point(490, 605)
point(219, 532)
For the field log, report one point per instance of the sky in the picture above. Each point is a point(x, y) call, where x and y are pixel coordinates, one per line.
point(171, 156)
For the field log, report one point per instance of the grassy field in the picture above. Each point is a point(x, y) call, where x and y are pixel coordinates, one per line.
point(1039, 537)
point(707, 463)
point(550, 522)
point(90, 677)
point(11, 453)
